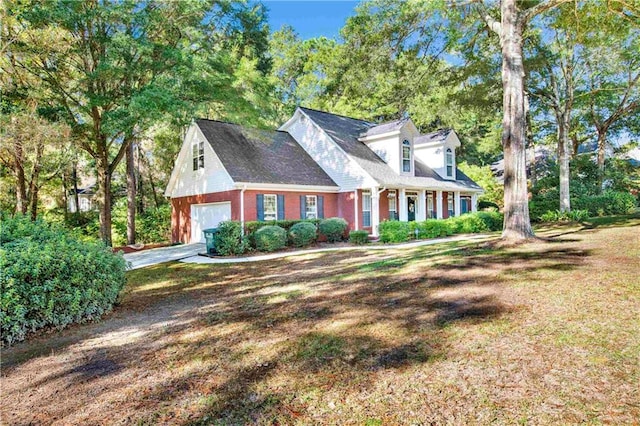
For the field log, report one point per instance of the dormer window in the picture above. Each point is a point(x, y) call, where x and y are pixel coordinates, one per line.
point(406, 156)
point(449, 162)
point(197, 151)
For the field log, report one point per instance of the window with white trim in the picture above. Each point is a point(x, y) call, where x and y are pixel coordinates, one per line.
point(393, 207)
point(406, 156)
point(197, 152)
point(311, 206)
point(366, 209)
point(270, 207)
point(449, 162)
point(450, 204)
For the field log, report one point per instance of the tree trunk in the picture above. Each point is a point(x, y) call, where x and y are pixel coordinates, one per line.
point(74, 175)
point(602, 145)
point(131, 195)
point(563, 160)
point(531, 146)
point(34, 202)
point(65, 196)
point(517, 225)
point(21, 181)
point(104, 199)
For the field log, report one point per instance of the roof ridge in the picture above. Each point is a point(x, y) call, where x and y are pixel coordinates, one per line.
point(337, 115)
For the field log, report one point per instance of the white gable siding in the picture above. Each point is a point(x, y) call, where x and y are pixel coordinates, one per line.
point(186, 181)
point(389, 147)
point(334, 161)
point(434, 155)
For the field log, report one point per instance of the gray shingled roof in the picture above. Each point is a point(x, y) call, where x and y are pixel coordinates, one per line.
point(262, 156)
point(384, 128)
point(437, 136)
point(345, 132)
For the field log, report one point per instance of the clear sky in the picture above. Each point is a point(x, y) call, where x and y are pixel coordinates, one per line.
point(310, 18)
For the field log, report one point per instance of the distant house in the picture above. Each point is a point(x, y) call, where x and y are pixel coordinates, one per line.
point(316, 165)
point(85, 200)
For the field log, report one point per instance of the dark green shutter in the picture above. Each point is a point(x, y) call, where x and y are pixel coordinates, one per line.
point(280, 214)
point(260, 206)
point(303, 207)
point(320, 206)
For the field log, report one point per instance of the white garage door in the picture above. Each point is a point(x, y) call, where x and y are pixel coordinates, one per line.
point(205, 216)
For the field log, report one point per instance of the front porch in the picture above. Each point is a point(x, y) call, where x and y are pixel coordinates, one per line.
point(407, 205)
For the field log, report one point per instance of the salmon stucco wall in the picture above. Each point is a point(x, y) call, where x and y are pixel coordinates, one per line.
point(181, 211)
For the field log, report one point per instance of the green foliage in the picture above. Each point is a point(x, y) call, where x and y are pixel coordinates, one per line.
point(333, 228)
point(572, 216)
point(608, 203)
point(52, 279)
point(467, 224)
point(303, 233)
point(270, 238)
point(492, 219)
point(253, 226)
point(394, 231)
point(483, 176)
point(154, 225)
point(230, 239)
point(358, 237)
point(434, 228)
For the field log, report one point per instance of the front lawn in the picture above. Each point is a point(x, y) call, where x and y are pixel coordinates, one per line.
point(544, 333)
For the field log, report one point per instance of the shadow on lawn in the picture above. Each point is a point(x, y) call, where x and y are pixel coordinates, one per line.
point(249, 337)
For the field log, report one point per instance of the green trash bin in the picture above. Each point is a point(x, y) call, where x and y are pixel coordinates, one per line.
point(210, 237)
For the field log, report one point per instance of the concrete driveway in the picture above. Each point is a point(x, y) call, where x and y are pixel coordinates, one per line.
point(163, 254)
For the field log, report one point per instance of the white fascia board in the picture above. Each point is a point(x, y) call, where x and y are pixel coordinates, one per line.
point(174, 172)
point(286, 187)
point(290, 121)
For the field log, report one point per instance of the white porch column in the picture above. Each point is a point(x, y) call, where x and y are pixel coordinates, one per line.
point(439, 207)
point(375, 211)
point(402, 206)
point(474, 202)
point(421, 214)
point(456, 203)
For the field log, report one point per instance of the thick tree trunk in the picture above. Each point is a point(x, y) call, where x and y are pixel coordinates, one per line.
point(22, 202)
point(104, 199)
point(517, 225)
point(563, 160)
point(131, 195)
point(34, 202)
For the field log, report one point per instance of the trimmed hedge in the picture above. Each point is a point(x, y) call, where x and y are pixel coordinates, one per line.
point(303, 233)
point(394, 231)
point(358, 237)
point(229, 239)
point(52, 279)
point(572, 216)
point(434, 228)
point(270, 238)
point(253, 226)
point(333, 228)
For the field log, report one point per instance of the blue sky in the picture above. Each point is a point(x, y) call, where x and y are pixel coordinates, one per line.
point(310, 18)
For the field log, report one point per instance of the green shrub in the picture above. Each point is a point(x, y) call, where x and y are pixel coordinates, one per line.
point(358, 237)
point(303, 233)
point(253, 226)
point(468, 224)
point(492, 219)
point(270, 238)
point(609, 202)
point(52, 279)
point(229, 239)
point(395, 231)
point(154, 225)
point(333, 228)
point(434, 228)
point(572, 216)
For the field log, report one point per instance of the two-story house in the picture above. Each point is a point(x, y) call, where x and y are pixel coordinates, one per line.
point(316, 165)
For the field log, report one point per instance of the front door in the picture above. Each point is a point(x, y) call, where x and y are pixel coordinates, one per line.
point(411, 209)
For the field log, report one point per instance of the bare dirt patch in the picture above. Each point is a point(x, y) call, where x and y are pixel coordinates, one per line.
point(545, 332)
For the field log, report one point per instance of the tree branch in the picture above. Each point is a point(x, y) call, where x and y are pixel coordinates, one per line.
point(542, 7)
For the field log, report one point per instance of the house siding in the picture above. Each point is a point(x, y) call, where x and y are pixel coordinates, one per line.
point(291, 203)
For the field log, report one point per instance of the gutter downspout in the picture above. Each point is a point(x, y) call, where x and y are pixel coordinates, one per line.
point(355, 209)
point(244, 188)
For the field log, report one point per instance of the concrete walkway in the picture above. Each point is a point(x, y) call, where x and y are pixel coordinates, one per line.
point(163, 254)
point(271, 256)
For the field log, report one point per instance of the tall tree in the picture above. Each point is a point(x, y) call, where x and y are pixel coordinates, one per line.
point(124, 66)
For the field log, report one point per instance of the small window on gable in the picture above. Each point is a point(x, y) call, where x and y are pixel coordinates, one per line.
point(197, 151)
point(449, 162)
point(406, 156)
